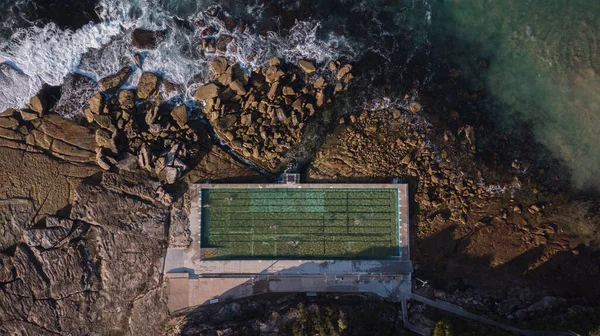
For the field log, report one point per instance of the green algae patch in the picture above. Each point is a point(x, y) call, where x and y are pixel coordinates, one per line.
point(299, 223)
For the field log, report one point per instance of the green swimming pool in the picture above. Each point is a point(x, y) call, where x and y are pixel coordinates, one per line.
point(299, 223)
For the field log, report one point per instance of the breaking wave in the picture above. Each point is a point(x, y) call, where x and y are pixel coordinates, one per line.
point(38, 55)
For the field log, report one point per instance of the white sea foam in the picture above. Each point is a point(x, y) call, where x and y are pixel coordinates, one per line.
point(48, 54)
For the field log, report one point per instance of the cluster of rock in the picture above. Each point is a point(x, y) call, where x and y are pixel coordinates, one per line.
point(385, 142)
point(262, 114)
point(140, 127)
point(211, 39)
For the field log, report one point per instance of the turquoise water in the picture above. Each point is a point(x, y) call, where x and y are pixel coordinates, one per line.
point(544, 68)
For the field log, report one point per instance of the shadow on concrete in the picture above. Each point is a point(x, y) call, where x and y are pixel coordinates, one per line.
point(189, 271)
point(387, 278)
point(451, 266)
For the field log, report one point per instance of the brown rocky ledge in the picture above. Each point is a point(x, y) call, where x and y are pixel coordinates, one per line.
point(86, 210)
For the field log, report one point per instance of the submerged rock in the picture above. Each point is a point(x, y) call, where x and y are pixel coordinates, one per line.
point(222, 43)
point(75, 91)
point(147, 39)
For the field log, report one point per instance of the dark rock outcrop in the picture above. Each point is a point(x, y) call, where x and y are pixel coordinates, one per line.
point(147, 39)
point(75, 91)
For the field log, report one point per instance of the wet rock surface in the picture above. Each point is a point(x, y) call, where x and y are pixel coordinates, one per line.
point(161, 134)
point(146, 39)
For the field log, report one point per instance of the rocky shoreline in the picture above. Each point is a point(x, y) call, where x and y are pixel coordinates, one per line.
point(94, 202)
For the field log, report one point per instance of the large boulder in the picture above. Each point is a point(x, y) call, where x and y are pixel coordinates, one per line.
point(170, 174)
point(147, 39)
point(112, 83)
point(306, 66)
point(237, 87)
point(179, 115)
point(38, 104)
point(28, 115)
point(208, 91)
point(96, 103)
point(218, 65)
point(147, 85)
point(344, 71)
point(126, 99)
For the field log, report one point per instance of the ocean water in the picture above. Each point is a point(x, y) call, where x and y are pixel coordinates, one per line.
point(542, 60)
point(544, 69)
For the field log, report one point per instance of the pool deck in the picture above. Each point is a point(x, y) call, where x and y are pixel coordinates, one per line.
point(193, 281)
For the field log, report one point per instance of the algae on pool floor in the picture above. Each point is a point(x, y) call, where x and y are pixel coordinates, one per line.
point(300, 223)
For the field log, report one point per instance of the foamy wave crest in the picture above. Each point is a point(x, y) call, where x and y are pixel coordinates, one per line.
point(16, 86)
point(47, 55)
point(301, 42)
point(108, 59)
point(180, 59)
